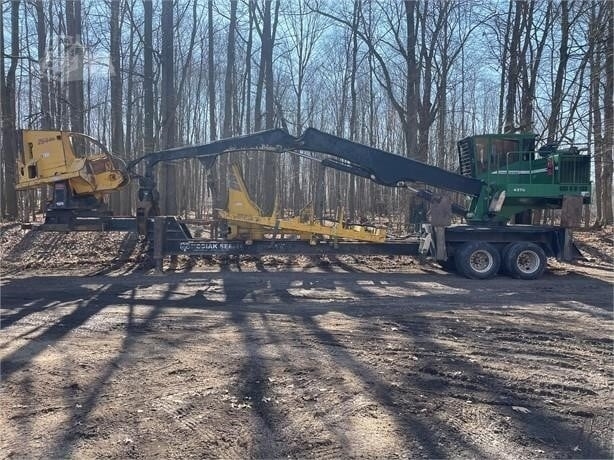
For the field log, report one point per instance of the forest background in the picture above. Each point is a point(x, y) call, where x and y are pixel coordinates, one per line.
point(410, 77)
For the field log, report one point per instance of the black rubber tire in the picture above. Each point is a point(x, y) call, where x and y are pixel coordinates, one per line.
point(478, 260)
point(504, 252)
point(524, 260)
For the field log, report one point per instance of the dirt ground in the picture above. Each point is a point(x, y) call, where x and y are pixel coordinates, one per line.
point(299, 357)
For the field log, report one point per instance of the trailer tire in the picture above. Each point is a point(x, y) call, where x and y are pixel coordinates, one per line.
point(478, 260)
point(504, 252)
point(523, 260)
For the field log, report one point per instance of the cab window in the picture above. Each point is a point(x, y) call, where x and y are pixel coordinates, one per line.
point(504, 151)
point(481, 155)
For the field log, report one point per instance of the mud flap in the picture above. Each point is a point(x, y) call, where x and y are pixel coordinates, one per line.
point(440, 218)
point(570, 251)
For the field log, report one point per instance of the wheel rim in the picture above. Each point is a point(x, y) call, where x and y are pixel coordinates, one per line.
point(528, 262)
point(481, 261)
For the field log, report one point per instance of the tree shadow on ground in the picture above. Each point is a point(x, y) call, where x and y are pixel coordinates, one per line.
point(265, 295)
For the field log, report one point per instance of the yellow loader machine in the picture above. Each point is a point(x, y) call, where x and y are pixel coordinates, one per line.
point(78, 167)
point(500, 174)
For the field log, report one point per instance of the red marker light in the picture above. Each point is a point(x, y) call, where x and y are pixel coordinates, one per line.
point(550, 167)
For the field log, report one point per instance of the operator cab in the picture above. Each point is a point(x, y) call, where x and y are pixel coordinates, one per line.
point(493, 153)
point(519, 177)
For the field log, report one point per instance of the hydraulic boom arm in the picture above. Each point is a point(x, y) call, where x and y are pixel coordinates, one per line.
point(384, 167)
point(275, 140)
point(380, 166)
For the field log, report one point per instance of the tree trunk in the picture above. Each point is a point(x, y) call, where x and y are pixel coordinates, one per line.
point(413, 81)
point(148, 83)
point(557, 95)
point(353, 105)
point(131, 108)
point(531, 63)
point(211, 74)
point(41, 31)
point(229, 80)
point(513, 74)
point(74, 56)
point(504, 67)
point(9, 135)
point(229, 96)
point(595, 113)
point(608, 119)
point(248, 72)
point(130, 104)
point(168, 190)
point(117, 126)
point(214, 189)
point(261, 72)
point(46, 120)
point(271, 162)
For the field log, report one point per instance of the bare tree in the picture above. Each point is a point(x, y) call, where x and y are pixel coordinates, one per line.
point(117, 125)
point(247, 88)
point(41, 32)
point(601, 104)
point(74, 56)
point(211, 74)
point(168, 105)
point(304, 31)
point(401, 23)
point(557, 96)
point(229, 79)
point(595, 113)
point(513, 70)
point(267, 31)
point(148, 79)
point(7, 96)
point(608, 155)
point(530, 61)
